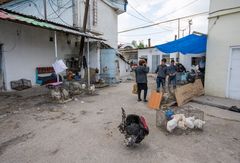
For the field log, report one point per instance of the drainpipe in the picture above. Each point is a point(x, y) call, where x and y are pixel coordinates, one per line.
point(55, 50)
point(84, 30)
point(55, 44)
point(149, 42)
point(178, 54)
point(88, 63)
point(45, 9)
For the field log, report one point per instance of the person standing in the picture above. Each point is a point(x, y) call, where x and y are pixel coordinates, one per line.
point(202, 69)
point(161, 72)
point(172, 72)
point(141, 79)
point(202, 65)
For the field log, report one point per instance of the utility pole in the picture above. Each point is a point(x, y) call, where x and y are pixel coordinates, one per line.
point(183, 30)
point(189, 25)
point(45, 9)
point(84, 30)
point(178, 28)
point(149, 42)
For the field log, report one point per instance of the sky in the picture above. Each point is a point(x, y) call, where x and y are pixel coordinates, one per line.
point(144, 12)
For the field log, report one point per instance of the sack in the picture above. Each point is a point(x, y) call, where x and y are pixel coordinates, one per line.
point(172, 124)
point(135, 89)
point(190, 122)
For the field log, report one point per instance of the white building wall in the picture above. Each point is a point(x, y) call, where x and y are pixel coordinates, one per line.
point(107, 20)
point(94, 55)
point(186, 60)
point(223, 34)
point(149, 52)
point(216, 5)
point(107, 23)
point(124, 68)
point(26, 48)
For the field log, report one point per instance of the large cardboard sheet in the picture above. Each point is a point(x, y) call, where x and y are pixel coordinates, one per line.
point(187, 92)
point(155, 100)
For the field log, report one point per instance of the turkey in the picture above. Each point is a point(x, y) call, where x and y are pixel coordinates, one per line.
point(134, 128)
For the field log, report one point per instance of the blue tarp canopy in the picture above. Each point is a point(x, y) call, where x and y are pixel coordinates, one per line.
point(191, 44)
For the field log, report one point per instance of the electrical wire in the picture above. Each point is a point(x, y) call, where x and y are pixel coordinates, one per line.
point(12, 4)
point(165, 28)
point(140, 13)
point(20, 6)
point(59, 15)
point(64, 6)
point(162, 22)
point(178, 9)
point(188, 4)
point(151, 21)
point(60, 7)
point(137, 17)
point(146, 34)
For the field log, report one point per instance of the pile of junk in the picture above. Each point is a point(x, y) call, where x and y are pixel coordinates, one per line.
point(71, 85)
point(65, 91)
point(173, 113)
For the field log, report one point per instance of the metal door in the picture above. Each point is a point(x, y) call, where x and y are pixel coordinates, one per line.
point(155, 62)
point(108, 65)
point(234, 80)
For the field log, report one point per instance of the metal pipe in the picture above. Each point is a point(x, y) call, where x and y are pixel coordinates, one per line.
point(178, 28)
point(55, 45)
point(55, 50)
point(84, 30)
point(88, 63)
point(45, 9)
point(177, 57)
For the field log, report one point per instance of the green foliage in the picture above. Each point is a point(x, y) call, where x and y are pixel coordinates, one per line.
point(139, 44)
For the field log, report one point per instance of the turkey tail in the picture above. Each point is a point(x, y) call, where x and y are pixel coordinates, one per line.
point(123, 123)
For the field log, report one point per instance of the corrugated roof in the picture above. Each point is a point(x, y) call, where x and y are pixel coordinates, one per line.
point(23, 19)
point(4, 1)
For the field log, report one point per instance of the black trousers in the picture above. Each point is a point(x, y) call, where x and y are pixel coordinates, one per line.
point(144, 87)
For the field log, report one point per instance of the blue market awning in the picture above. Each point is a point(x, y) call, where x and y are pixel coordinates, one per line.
point(191, 44)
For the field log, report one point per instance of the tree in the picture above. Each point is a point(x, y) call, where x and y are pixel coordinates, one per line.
point(134, 43)
point(139, 44)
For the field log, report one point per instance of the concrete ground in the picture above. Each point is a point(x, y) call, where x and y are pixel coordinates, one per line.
point(85, 130)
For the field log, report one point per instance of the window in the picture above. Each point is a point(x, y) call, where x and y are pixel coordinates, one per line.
point(167, 57)
point(196, 61)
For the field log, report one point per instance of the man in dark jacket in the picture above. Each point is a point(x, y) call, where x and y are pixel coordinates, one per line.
point(141, 79)
point(172, 72)
point(161, 74)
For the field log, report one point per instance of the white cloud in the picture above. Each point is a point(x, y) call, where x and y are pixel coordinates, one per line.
point(158, 10)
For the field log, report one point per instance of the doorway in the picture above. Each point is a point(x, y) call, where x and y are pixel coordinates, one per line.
point(234, 77)
point(155, 62)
